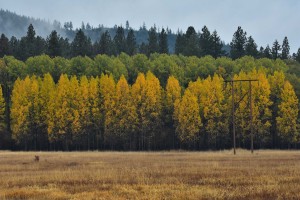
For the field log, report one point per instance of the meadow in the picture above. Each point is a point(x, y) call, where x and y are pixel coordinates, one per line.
point(265, 174)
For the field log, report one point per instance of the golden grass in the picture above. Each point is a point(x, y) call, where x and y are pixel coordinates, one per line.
point(157, 175)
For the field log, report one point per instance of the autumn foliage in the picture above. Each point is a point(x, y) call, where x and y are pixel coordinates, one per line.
point(107, 113)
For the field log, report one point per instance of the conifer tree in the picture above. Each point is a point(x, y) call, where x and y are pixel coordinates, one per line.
point(163, 42)
point(191, 44)
point(105, 44)
point(251, 47)
point(267, 52)
point(152, 41)
point(205, 42)
point(285, 53)
point(216, 46)
point(81, 45)
point(120, 41)
point(53, 45)
point(275, 50)
point(4, 46)
point(238, 43)
point(130, 43)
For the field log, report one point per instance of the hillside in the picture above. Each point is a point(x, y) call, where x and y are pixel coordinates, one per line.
point(12, 24)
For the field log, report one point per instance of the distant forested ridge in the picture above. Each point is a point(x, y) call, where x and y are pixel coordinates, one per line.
point(55, 39)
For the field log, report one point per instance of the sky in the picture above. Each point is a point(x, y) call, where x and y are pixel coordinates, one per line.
point(264, 20)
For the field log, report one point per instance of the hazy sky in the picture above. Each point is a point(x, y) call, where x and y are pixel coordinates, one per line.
point(265, 20)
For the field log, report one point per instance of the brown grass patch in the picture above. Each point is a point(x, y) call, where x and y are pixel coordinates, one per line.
point(143, 175)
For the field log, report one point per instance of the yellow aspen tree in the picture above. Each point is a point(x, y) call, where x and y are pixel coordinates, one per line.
point(47, 88)
point(214, 110)
point(189, 121)
point(196, 89)
point(20, 111)
point(74, 100)
point(95, 110)
point(288, 114)
point(242, 111)
point(152, 109)
point(34, 110)
point(2, 111)
point(61, 128)
point(261, 107)
point(125, 113)
point(107, 97)
point(138, 93)
point(84, 110)
point(172, 94)
point(276, 81)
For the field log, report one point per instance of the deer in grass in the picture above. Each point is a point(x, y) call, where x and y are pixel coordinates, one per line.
point(36, 158)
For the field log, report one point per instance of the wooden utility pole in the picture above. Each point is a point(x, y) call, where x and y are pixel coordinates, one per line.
point(233, 118)
point(251, 116)
point(233, 110)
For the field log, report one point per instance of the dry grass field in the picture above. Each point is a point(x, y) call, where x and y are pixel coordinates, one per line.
point(157, 175)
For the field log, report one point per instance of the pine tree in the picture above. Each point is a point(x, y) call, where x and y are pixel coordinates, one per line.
point(191, 45)
point(81, 45)
point(275, 50)
point(179, 44)
point(251, 47)
point(297, 56)
point(53, 45)
point(130, 43)
point(216, 46)
point(4, 46)
point(120, 41)
point(285, 53)
point(30, 41)
point(267, 52)
point(205, 42)
point(238, 43)
point(163, 42)
point(105, 44)
point(152, 41)
point(14, 46)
